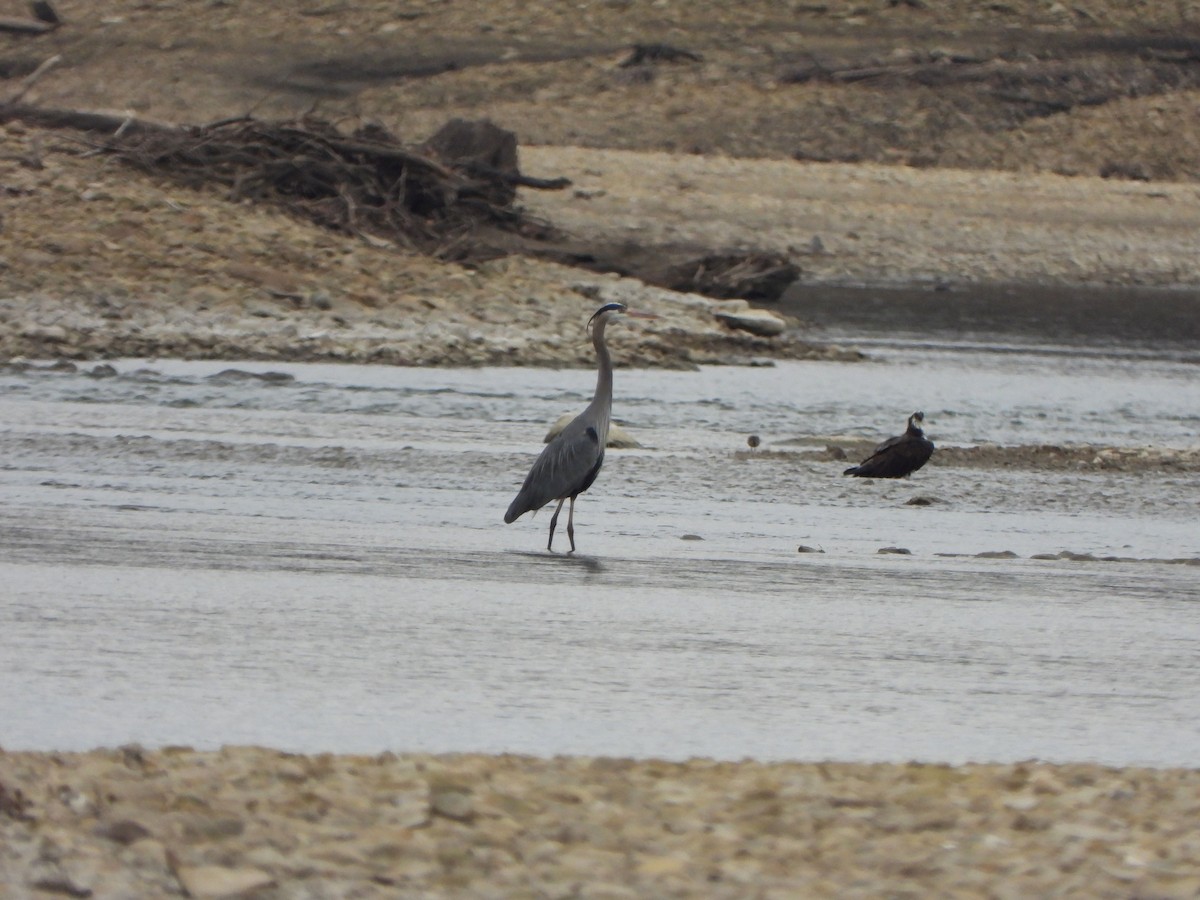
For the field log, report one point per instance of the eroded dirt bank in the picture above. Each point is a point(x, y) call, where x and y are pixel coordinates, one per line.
point(926, 143)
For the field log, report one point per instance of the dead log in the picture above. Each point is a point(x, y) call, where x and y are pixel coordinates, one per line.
point(761, 277)
point(78, 120)
point(44, 19)
point(656, 53)
point(25, 26)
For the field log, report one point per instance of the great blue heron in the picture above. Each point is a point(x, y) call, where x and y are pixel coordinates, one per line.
point(897, 456)
point(571, 461)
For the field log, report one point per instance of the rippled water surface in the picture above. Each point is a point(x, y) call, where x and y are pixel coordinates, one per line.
point(316, 561)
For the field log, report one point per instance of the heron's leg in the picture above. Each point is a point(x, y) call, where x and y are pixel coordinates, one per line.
point(553, 523)
point(571, 522)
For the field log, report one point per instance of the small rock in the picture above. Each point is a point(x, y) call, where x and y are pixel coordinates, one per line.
point(104, 370)
point(411, 809)
point(49, 876)
point(758, 322)
point(51, 333)
point(123, 831)
point(996, 554)
point(804, 548)
point(691, 537)
point(75, 801)
point(1021, 802)
point(902, 551)
point(921, 500)
point(220, 881)
point(213, 827)
point(618, 437)
point(1077, 557)
point(456, 805)
point(662, 865)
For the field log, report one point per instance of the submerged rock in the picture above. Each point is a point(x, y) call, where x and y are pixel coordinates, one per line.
point(618, 437)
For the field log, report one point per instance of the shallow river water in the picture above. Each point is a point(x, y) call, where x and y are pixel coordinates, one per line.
point(191, 553)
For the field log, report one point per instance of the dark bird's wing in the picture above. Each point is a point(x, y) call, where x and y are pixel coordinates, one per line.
point(566, 466)
point(894, 458)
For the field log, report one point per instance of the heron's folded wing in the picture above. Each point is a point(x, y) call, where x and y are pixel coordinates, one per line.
point(566, 466)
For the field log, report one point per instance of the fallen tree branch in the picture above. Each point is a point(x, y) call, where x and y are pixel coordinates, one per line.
point(102, 123)
point(44, 19)
point(31, 79)
point(25, 26)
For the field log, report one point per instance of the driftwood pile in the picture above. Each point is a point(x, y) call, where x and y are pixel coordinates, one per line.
point(452, 196)
point(439, 197)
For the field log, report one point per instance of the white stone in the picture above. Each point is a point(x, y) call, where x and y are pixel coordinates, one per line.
point(219, 881)
point(618, 437)
point(759, 322)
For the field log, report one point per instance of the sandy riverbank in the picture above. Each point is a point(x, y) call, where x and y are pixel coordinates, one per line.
point(152, 269)
point(248, 822)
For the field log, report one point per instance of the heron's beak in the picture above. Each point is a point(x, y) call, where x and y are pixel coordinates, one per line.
point(637, 314)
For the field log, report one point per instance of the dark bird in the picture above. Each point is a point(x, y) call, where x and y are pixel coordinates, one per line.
point(753, 441)
point(571, 461)
point(897, 456)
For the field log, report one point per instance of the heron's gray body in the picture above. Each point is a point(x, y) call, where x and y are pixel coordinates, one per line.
point(569, 464)
point(566, 467)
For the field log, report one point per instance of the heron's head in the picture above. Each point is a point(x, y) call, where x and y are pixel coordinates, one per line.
point(606, 312)
point(609, 310)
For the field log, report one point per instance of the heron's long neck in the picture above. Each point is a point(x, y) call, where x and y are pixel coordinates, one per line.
point(602, 401)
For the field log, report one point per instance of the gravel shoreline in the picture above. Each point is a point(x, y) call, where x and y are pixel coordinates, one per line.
point(254, 822)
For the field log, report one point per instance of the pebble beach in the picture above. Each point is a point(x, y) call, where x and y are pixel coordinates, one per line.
point(254, 822)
